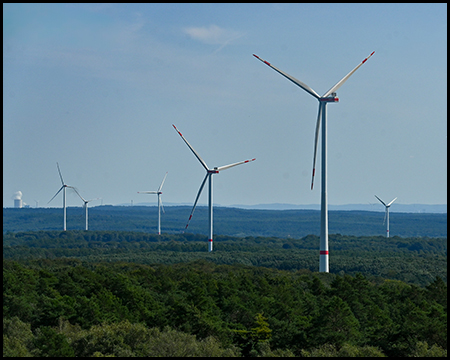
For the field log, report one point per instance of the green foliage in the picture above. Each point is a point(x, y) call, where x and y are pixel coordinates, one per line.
point(250, 297)
point(346, 350)
point(17, 338)
point(49, 343)
point(391, 258)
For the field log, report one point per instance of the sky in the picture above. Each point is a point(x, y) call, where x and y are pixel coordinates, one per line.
point(97, 87)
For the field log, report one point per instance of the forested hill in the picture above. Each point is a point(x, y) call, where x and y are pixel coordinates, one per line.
point(227, 221)
point(413, 260)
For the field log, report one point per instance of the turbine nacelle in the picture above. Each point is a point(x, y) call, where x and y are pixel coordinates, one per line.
point(332, 98)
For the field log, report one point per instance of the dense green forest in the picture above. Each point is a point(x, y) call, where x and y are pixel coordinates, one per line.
point(69, 307)
point(412, 260)
point(227, 221)
point(134, 293)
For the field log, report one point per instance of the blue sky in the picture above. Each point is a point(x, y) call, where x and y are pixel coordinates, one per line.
point(97, 87)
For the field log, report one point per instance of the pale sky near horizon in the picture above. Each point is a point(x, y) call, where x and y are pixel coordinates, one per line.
point(97, 87)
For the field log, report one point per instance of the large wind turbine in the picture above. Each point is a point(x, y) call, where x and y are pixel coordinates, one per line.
point(63, 187)
point(158, 192)
point(329, 96)
point(386, 216)
point(85, 205)
point(209, 173)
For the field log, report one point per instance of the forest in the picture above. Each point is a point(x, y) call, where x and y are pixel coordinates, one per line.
point(131, 293)
point(227, 221)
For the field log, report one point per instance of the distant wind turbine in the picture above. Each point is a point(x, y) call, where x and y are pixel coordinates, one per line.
point(85, 205)
point(386, 215)
point(63, 187)
point(158, 192)
point(329, 96)
point(209, 173)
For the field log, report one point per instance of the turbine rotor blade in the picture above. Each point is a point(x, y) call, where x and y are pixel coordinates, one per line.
point(235, 164)
point(196, 199)
point(77, 193)
point(289, 77)
point(316, 140)
point(192, 149)
point(162, 183)
point(385, 214)
point(88, 201)
point(380, 200)
point(162, 206)
point(391, 202)
point(62, 187)
point(62, 181)
point(147, 192)
point(345, 78)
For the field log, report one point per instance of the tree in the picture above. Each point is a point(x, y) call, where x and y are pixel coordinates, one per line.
point(17, 338)
point(336, 324)
point(49, 343)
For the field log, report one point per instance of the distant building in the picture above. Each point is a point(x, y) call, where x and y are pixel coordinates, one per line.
point(18, 199)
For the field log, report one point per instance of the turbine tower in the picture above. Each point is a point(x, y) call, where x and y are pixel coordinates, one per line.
point(209, 173)
point(329, 96)
point(158, 192)
point(63, 187)
point(85, 205)
point(386, 215)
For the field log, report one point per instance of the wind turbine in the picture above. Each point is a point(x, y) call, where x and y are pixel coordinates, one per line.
point(63, 187)
point(329, 96)
point(386, 215)
point(85, 205)
point(159, 192)
point(209, 173)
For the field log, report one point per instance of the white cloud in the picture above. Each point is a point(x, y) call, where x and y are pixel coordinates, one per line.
point(212, 35)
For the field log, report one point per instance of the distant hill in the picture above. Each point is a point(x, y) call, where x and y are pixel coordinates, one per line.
point(407, 208)
point(227, 221)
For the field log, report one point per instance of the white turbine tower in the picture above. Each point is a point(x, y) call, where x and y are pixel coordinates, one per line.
point(85, 205)
point(386, 215)
point(158, 192)
point(63, 187)
point(329, 96)
point(209, 173)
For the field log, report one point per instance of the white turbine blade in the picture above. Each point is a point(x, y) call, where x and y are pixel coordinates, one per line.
point(391, 202)
point(78, 194)
point(62, 187)
point(345, 78)
point(88, 201)
point(380, 200)
point(235, 164)
point(192, 149)
point(147, 192)
point(62, 181)
point(316, 140)
point(289, 77)
point(162, 206)
point(196, 199)
point(385, 214)
point(160, 186)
